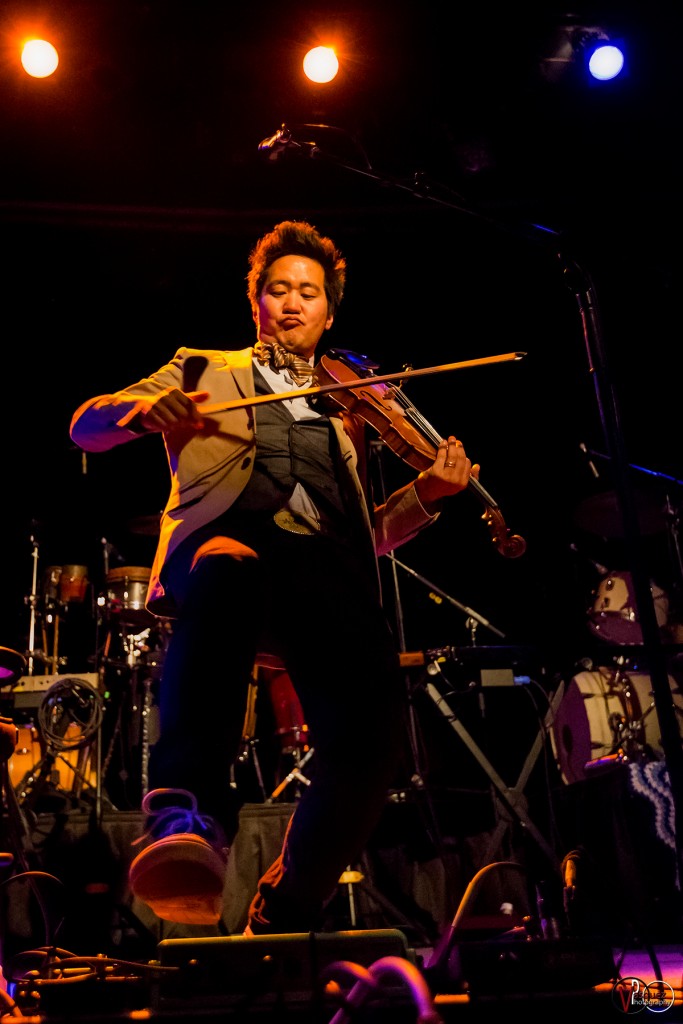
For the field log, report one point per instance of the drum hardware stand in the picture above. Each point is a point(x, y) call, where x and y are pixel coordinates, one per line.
point(627, 730)
point(144, 756)
point(296, 775)
point(131, 645)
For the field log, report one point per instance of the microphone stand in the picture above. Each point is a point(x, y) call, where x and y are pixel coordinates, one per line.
point(579, 281)
point(581, 285)
point(376, 449)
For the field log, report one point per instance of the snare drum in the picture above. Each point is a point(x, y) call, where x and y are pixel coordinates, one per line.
point(127, 593)
point(586, 724)
point(614, 615)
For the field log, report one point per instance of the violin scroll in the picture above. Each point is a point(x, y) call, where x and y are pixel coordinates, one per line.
point(510, 545)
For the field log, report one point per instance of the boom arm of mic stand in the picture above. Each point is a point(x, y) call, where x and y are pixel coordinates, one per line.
point(640, 469)
point(469, 612)
point(420, 188)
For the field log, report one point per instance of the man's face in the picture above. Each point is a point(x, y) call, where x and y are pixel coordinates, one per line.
point(292, 307)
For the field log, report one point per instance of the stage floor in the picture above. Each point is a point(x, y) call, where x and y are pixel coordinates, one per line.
point(372, 977)
point(108, 944)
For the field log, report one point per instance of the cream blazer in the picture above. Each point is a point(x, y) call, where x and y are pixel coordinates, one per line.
point(210, 468)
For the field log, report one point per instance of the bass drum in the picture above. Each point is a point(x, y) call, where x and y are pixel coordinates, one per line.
point(614, 615)
point(595, 705)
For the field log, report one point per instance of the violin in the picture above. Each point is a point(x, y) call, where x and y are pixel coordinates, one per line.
point(351, 376)
point(400, 425)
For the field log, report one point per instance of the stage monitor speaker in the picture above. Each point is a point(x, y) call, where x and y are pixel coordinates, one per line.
point(263, 970)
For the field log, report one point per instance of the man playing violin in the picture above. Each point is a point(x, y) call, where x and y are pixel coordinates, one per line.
point(269, 540)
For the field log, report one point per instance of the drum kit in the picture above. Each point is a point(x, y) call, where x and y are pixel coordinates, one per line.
point(64, 706)
point(91, 727)
point(608, 716)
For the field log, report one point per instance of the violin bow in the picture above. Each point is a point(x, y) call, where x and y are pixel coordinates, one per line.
point(384, 378)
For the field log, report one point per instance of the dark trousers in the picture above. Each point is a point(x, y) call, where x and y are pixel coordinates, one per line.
point(310, 601)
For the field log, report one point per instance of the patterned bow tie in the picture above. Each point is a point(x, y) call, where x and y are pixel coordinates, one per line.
point(270, 353)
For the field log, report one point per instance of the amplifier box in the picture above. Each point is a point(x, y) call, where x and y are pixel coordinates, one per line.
point(30, 690)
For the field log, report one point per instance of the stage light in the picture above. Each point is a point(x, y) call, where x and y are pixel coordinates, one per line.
point(605, 61)
point(588, 49)
point(321, 64)
point(39, 58)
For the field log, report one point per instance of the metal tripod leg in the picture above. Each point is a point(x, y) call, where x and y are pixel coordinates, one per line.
point(512, 797)
point(354, 880)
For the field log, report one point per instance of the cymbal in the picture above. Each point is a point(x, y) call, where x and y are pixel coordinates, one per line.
point(12, 664)
point(145, 526)
point(601, 514)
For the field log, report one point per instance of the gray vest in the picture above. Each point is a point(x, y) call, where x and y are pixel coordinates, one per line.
point(288, 452)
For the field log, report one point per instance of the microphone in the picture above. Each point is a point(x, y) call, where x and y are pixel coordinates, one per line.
point(277, 146)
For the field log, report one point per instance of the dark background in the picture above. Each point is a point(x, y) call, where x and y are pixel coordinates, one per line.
point(475, 193)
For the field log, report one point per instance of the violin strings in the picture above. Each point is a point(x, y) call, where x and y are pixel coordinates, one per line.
point(416, 417)
point(428, 432)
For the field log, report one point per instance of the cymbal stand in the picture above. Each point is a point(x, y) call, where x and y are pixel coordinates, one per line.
point(32, 601)
point(354, 880)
